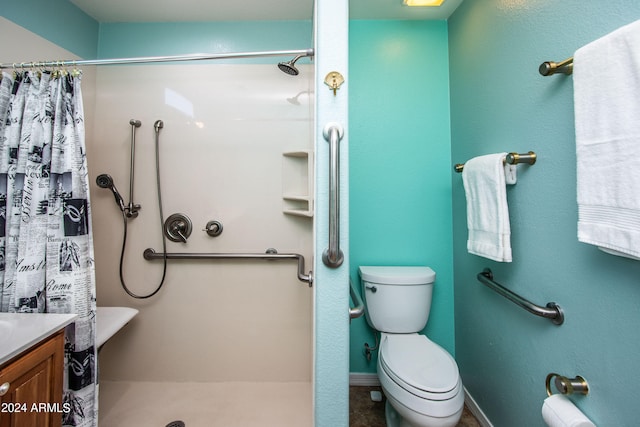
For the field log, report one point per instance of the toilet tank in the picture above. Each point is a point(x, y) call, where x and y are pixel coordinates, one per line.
point(397, 299)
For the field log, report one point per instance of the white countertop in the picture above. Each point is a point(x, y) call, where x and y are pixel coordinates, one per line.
point(20, 331)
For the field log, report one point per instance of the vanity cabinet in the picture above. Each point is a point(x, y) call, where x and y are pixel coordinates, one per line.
point(31, 386)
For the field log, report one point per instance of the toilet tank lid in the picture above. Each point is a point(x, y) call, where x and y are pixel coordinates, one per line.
point(409, 275)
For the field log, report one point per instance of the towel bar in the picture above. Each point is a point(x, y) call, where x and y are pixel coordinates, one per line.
point(511, 158)
point(552, 311)
point(549, 68)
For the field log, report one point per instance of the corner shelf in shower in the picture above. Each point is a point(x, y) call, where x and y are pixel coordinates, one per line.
point(297, 183)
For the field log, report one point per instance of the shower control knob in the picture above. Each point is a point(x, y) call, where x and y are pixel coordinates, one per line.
point(213, 228)
point(177, 227)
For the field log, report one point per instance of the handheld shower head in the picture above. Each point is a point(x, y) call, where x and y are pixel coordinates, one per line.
point(289, 67)
point(136, 123)
point(105, 181)
point(159, 124)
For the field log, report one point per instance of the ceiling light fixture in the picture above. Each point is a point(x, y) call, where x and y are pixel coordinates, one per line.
point(422, 3)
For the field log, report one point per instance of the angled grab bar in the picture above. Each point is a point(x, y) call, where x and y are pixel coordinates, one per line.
point(552, 311)
point(271, 254)
point(358, 310)
point(333, 256)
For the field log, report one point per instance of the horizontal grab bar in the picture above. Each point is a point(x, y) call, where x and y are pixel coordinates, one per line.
point(150, 254)
point(358, 310)
point(552, 311)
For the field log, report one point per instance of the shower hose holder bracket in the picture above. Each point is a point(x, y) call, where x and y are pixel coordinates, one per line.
point(131, 211)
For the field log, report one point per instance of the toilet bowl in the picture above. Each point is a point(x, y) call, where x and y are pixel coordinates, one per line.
point(421, 382)
point(419, 378)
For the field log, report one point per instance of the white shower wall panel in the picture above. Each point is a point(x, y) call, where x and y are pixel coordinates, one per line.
point(225, 129)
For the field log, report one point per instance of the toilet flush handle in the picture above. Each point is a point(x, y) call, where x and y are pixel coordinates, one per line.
point(372, 288)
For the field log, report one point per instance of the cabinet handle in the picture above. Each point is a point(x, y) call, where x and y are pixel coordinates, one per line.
point(4, 388)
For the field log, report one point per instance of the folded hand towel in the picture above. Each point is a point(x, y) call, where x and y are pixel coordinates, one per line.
point(487, 210)
point(607, 117)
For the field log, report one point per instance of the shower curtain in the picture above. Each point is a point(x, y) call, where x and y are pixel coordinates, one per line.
point(46, 245)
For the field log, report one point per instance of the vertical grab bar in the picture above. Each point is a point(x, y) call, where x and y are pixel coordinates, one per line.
point(132, 209)
point(333, 256)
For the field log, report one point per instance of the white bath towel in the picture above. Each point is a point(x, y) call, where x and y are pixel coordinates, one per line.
point(607, 118)
point(487, 211)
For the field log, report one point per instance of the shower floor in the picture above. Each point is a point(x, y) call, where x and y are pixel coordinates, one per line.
point(235, 404)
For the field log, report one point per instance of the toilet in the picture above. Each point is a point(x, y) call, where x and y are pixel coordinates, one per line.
point(419, 378)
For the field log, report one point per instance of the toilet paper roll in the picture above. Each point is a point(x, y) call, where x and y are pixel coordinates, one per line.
point(558, 411)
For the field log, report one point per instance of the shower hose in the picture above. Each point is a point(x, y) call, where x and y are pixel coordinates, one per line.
point(164, 239)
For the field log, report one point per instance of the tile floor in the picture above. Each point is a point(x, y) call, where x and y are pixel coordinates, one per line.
point(365, 413)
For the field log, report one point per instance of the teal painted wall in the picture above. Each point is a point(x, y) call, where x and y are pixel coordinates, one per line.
point(400, 158)
point(58, 21)
point(158, 39)
point(499, 102)
point(62, 23)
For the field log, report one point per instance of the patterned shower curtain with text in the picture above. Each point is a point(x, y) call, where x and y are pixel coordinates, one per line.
point(46, 244)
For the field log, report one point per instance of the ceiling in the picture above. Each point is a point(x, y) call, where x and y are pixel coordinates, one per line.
point(110, 11)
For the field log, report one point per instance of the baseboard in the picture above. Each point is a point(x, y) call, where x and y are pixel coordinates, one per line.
point(363, 379)
point(475, 409)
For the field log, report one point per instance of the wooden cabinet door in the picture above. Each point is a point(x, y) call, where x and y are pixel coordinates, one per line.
point(35, 379)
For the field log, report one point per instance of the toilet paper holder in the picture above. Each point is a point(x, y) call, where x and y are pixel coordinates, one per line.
point(567, 385)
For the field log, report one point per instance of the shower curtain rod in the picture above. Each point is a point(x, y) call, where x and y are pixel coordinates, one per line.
point(149, 59)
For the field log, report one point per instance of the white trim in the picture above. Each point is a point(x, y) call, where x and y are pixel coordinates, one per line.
point(363, 379)
point(475, 409)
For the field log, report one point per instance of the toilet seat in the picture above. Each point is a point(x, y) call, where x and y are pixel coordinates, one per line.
point(419, 366)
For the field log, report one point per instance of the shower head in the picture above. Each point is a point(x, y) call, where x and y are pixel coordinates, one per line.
point(289, 67)
point(105, 181)
point(159, 124)
point(136, 123)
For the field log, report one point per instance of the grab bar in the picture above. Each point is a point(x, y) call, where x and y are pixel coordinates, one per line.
point(358, 310)
point(333, 256)
point(552, 312)
point(132, 209)
point(150, 254)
